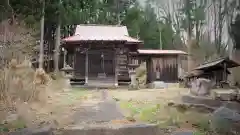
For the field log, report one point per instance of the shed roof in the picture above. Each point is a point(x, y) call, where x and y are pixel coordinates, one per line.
point(101, 33)
point(160, 52)
point(218, 63)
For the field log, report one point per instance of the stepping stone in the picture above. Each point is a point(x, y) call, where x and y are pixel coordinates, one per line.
point(183, 133)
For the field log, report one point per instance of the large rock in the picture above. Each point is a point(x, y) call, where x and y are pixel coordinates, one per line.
point(225, 95)
point(225, 120)
point(201, 87)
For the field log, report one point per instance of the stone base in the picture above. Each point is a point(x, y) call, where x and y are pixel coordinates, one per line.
point(158, 85)
point(133, 87)
point(113, 129)
point(67, 83)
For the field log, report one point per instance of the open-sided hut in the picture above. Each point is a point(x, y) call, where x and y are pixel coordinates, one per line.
point(101, 54)
point(216, 70)
point(162, 65)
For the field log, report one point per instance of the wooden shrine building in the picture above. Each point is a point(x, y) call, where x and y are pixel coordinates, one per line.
point(101, 54)
point(162, 65)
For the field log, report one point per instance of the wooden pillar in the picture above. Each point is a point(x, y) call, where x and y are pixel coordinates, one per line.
point(179, 66)
point(116, 68)
point(74, 61)
point(86, 67)
point(64, 58)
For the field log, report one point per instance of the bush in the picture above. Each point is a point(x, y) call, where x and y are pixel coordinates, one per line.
point(141, 73)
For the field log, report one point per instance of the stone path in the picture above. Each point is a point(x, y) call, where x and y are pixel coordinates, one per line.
point(103, 111)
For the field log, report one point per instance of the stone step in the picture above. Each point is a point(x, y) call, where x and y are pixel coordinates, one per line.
point(112, 129)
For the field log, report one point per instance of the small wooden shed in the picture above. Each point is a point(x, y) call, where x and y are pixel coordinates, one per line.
point(162, 65)
point(216, 70)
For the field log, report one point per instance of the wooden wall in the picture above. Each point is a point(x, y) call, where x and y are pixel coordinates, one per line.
point(164, 68)
point(101, 61)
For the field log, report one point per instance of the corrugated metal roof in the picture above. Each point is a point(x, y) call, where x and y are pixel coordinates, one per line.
point(100, 33)
point(141, 51)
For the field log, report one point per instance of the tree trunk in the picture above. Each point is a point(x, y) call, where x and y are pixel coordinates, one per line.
point(41, 53)
point(190, 59)
point(57, 43)
point(189, 38)
point(56, 53)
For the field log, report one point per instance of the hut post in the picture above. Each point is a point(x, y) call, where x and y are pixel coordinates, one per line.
point(86, 67)
point(64, 57)
point(224, 71)
point(116, 67)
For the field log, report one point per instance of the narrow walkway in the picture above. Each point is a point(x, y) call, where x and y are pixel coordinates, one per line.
point(103, 111)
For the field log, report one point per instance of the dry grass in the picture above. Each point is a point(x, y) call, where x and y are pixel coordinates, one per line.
point(59, 108)
point(34, 98)
point(19, 87)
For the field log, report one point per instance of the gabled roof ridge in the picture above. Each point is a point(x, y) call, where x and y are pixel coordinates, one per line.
point(101, 25)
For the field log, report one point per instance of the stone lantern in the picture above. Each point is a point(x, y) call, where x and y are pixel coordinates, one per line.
point(68, 73)
point(134, 83)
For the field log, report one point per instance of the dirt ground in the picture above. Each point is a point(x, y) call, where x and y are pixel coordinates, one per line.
point(61, 106)
point(148, 105)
